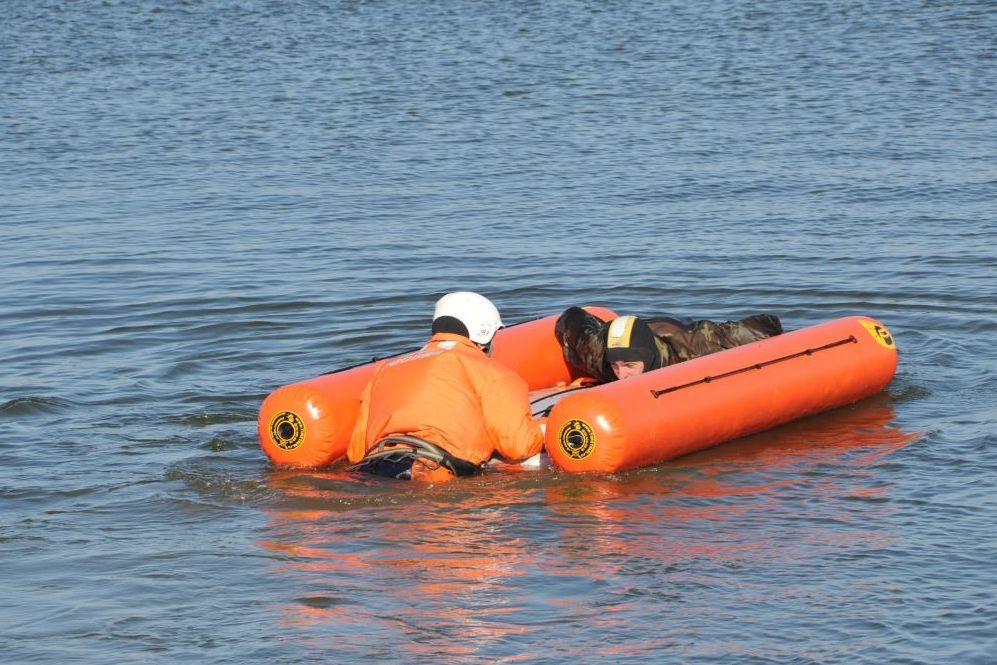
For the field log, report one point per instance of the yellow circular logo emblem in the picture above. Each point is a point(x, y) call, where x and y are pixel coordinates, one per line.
point(576, 439)
point(287, 430)
point(879, 333)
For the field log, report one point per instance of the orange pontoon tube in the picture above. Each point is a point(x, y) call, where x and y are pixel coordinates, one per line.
point(308, 424)
point(626, 424)
point(686, 407)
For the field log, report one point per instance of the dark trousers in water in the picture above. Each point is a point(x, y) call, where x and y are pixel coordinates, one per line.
point(407, 457)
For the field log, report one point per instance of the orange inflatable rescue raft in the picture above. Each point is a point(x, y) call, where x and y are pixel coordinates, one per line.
point(625, 424)
point(693, 405)
point(308, 424)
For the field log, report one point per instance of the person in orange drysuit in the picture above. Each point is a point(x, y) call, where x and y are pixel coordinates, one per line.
point(446, 409)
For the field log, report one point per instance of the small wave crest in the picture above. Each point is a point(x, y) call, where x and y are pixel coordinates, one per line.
point(220, 481)
point(33, 405)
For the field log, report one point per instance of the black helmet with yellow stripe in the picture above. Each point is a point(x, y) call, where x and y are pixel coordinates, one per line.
point(629, 338)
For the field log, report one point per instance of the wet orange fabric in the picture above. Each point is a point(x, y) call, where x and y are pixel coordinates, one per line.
point(451, 394)
point(428, 473)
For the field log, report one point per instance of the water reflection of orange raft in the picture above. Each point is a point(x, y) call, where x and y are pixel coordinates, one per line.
point(625, 424)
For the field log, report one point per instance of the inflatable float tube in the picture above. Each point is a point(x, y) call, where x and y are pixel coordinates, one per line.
point(627, 424)
point(308, 423)
point(699, 403)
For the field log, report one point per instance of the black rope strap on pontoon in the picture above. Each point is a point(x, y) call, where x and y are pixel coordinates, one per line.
point(374, 359)
point(558, 395)
point(709, 379)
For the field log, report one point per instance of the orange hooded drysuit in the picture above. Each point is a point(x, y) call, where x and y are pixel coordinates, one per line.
point(448, 393)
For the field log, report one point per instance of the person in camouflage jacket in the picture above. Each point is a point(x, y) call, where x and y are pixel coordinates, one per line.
point(629, 345)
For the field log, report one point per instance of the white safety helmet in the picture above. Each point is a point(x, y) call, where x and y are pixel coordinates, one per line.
point(475, 311)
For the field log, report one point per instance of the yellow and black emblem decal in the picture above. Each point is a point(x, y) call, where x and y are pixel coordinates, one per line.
point(287, 430)
point(576, 438)
point(879, 333)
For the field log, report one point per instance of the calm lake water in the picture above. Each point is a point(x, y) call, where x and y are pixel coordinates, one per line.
point(202, 200)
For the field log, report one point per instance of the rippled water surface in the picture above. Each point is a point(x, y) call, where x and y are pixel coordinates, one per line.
point(205, 199)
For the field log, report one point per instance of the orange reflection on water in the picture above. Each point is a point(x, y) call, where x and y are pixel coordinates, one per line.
point(673, 513)
point(439, 555)
point(461, 560)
